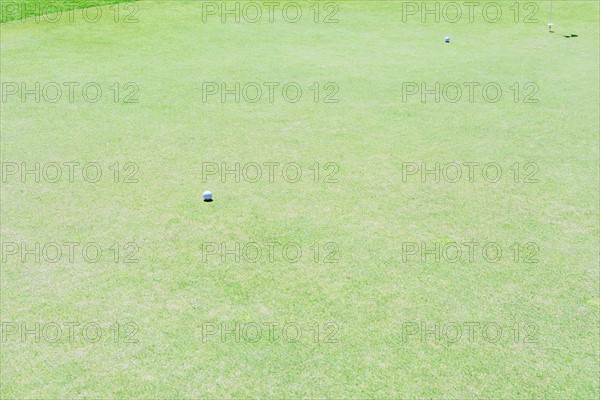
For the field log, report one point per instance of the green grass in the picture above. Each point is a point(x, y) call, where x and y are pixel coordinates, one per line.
point(370, 293)
point(12, 10)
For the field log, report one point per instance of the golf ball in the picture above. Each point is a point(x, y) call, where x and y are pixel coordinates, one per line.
point(207, 195)
point(447, 39)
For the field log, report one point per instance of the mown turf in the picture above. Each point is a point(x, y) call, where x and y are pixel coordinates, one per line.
point(370, 294)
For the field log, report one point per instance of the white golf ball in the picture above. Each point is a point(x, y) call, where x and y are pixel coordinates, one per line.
point(207, 195)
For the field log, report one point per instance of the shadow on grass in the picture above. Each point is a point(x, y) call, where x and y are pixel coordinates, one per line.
point(566, 36)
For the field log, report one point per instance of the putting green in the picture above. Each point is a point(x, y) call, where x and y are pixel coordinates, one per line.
point(364, 294)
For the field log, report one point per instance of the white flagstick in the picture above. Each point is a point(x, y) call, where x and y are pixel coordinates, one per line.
point(550, 24)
